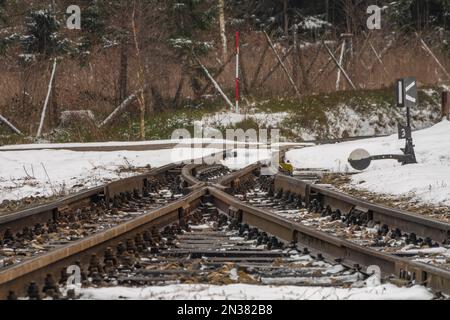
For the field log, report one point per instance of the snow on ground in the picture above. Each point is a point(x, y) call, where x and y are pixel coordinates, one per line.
point(51, 172)
point(229, 119)
point(113, 144)
point(428, 181)
point(156, 144)
point(254, 292)
point(246, 157)
point(360, 118)
point(44, 173)
point(348, 121)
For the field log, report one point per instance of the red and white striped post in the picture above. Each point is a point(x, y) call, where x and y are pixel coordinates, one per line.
point(237, 72)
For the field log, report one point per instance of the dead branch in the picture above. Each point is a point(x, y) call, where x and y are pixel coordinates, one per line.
point(47, 98)
point(122, 106)
point(217, 74)
point(9, 124)
point(258, 67)
point(428, 50)
point(339, 66)
point(214, 82)
point(294, 86)
point(275, 67)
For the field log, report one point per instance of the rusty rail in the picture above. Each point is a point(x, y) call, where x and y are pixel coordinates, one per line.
point(17, 277)
point(41, 214)
point(331, 247)
point(234, 177)
point(394, 218)
point(228, 180)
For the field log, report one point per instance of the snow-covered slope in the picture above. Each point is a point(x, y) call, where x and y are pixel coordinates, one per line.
point(427, 181)
point(229, 119)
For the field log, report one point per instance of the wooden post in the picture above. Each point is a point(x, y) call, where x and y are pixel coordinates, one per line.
point(258, 68)
point(446, 105)
point(339, 66)
point(9, 124)
point(214, 82)
point(428, 50)
point(341, 60)
point(123, 106)
point(295, 57)
point(275, 67)
point(44, 109)
point(53, 107)
point(378, 58)
point(282, 64)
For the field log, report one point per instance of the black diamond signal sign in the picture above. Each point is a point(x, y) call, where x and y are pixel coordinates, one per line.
point(407, 92)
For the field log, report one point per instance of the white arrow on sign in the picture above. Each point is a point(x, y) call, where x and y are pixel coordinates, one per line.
point(400, 92)
point(408, 97)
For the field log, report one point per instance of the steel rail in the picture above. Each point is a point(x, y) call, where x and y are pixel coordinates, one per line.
point(222, 183)
point(17, 277)
point(331, 247)
point(188, 177)
point(234, 177)
point(406, 221)
point(41, 214)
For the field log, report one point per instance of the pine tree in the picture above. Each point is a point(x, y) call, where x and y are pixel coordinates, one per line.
point(93, 28)
point(189, 18)
point(41, 34)
point(2, 12)
point(3, 40)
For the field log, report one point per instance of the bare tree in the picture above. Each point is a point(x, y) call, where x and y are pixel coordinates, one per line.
point(140, 73)
point(223, 34)
point(286, 17)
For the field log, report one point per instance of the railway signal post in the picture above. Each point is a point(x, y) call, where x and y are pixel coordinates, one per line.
point(407, 97)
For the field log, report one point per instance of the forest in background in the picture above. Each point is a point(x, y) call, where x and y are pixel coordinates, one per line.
point(153, 49)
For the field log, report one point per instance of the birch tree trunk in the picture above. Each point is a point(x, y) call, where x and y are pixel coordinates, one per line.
point(140, 76)
point(44, 109)
point(223, 34)
point(286, 17)
point(123, 72)
point(9, 124)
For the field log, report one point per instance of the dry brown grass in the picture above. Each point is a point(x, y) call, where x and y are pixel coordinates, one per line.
point(94, 86)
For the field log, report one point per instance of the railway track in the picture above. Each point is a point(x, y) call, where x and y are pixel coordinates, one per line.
point(354, 226)
point(213, 249)
point(75, 223)
point(195, 233)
